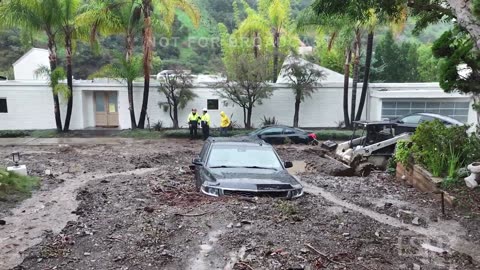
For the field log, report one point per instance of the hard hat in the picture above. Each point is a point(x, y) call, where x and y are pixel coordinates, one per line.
point(204, 109)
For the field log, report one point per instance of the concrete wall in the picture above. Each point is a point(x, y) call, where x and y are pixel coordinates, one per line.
point(30, 104)
point(25, 67)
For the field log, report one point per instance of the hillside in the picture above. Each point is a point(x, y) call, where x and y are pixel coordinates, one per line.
point(192, 48)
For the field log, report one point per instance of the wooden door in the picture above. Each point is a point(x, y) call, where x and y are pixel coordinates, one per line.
point(106, 109)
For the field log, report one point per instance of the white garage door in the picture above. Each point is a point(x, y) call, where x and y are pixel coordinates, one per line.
point(457, 110)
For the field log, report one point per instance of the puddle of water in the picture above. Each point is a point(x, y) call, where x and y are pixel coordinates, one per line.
point(44, 211)
point(449, 232)
point(199, 262)
point(298, 167)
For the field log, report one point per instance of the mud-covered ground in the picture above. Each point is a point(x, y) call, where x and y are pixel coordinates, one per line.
point(133, 206)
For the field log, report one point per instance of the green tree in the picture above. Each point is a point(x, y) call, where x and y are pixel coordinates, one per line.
point(396, 62)
point(304, 79)
point(428, 64)
point(36, 16)
point(177, 88)
point(124, 18)
point(165, 11)
point(246, 84)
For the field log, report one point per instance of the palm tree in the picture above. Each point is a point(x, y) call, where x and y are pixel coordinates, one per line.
point(72, 29)
point(165, 10)
point(341, 30)
point(277, 13)
point(37, 16)
point(118, 17)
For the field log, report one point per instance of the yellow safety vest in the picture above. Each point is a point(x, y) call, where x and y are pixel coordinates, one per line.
point(194, 118)
point(206, 118)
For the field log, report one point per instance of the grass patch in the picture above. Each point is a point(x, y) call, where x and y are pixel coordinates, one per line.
point(11, 183)
point(47, 133)
point(41, 133)
point(140, 134)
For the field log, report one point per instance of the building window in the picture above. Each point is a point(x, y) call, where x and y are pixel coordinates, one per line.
point(3, 105)
point(456, 110)
point(212, 104)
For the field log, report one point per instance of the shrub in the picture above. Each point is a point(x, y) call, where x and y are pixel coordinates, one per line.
point(158, 126)
point(269, 121)
point(13, 133)
point(403, 152)
point(14, 183)
point(443, 150)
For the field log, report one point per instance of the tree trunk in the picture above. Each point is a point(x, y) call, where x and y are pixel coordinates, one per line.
point(356, 69)
point(255, 44)
point(175, 116)
point(465, 17)
point(52, 57)
point(366, 77)
point(346, 79)
point(131, 105)
point(245, 118)
point(133, 123)
point(68, 48)
point(276, 46)
point(147, 59)
point(249, 117)
point(297, 112)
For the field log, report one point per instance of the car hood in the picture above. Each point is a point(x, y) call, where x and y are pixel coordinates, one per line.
point(252, 179)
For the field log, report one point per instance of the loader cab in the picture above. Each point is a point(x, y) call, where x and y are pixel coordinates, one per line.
point(369, 133)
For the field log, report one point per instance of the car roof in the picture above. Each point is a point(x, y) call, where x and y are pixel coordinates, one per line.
point(441, 117)
point(241, 140)
point(374, 123)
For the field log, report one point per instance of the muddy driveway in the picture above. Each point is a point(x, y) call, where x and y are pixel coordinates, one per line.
point(133, 206)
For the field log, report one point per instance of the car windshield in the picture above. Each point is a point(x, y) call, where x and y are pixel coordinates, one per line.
point(243, 156)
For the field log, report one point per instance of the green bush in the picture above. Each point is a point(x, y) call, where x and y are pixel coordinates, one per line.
point(403, 152)
point(335, 135)
point(13, 133)
point(443, 150)
point(14, 183)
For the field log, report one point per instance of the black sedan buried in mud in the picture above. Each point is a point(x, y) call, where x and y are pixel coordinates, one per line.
point(243, 166)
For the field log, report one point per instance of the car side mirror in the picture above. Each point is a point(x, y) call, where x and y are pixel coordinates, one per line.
point(197, 161)
point(288, 164)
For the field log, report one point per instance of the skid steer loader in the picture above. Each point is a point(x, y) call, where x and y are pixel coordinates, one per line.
point(371, 146)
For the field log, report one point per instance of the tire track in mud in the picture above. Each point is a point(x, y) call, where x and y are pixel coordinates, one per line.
point(450, 231)
point(45, 211)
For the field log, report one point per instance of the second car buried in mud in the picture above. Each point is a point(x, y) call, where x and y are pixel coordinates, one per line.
point(243, 166)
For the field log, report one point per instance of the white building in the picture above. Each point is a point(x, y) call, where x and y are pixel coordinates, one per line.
point(29, 104)
point(25, 68)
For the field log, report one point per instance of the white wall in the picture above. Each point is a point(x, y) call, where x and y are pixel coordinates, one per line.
point(30, 106)
point(25, 68)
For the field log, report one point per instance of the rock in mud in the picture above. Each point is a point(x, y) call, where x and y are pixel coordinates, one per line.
point(148, 209)
point(416, 221)
point(2, 222)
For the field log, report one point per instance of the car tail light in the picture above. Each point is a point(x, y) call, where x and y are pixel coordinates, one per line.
point(313, 136)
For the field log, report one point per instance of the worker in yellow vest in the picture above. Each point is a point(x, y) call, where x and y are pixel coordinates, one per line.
point(193, 121)
point(224, 124)
point(205, 122)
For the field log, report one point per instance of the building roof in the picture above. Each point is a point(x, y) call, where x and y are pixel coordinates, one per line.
point(32, 50)
point(330, 75)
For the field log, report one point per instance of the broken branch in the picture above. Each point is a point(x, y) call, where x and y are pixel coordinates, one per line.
point(244, 264)
point(322, 254)
point(191, 215)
